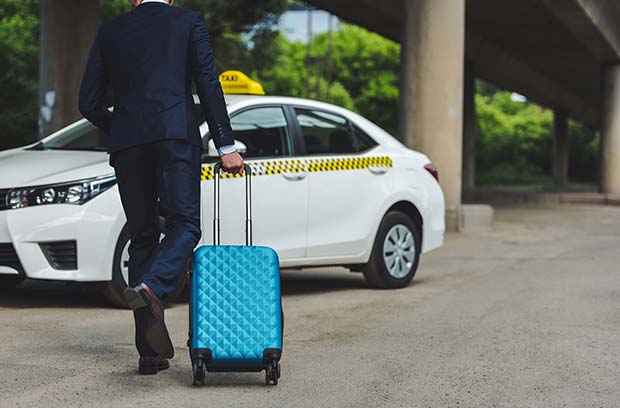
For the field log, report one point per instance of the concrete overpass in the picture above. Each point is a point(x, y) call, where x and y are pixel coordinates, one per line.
point(561, 53)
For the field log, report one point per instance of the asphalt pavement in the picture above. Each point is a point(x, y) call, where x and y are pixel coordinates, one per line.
point(526, 315)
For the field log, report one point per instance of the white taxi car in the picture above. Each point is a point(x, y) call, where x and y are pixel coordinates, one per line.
point(329, 188)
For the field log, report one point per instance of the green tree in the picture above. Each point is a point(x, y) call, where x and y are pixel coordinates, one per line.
point(365, 70)
point(237, 16)
point(230, 21)
point(584, 146)
point(227, 21)
point(113, 8)
point(222, 16)
point(367, 66)
point(279, 65)
point(514, 144)
point(19, 53)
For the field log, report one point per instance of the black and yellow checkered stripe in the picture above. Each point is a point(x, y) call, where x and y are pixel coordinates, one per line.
point(353, 163)
point(311, 165)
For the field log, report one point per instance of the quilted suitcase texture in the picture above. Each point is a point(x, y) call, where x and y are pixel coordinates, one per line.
point(235, 305)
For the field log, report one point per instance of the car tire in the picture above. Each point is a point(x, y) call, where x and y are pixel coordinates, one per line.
point(395, 254)
point(10, 282)
point(113, 290)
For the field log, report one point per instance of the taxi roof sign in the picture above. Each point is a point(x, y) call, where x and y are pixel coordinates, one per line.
point(236, 82)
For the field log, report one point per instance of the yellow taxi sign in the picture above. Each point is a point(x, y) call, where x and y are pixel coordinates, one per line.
point(236, 82)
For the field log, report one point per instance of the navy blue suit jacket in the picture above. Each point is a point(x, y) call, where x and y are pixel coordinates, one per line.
point(149, 57)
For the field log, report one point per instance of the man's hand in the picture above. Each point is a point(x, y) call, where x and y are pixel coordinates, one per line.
point(232, 163)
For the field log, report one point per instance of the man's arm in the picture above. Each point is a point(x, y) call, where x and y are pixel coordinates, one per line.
point(209, 88)
point(93, 90)
point(226, 150)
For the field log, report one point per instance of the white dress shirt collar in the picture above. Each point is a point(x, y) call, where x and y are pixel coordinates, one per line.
point(154, 1)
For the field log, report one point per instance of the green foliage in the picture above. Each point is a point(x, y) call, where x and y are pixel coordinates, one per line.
point(514, 144)
point(19, 50)
point(485, 88)
point(278, 64)
point(113, 8)
point(365, 70)
point(19, 53)
point(584, 146)
point(367, 65)
point(514, 140)
point(227, 20)
point(379, 100)
point(237, 16)
point(222, 16)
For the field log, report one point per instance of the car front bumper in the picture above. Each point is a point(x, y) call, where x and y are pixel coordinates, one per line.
point(94, 228)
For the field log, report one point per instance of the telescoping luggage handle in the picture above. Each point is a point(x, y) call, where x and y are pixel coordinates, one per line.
point(248, 204)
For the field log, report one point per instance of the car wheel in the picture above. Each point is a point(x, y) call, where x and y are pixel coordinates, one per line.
point(396, 253)
point(10, 281)
point(113, 290)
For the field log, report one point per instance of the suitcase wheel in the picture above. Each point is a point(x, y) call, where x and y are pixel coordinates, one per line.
point(272, 373)
point(199, 372)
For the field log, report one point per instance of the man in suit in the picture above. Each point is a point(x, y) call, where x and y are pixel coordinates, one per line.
point(148, 58)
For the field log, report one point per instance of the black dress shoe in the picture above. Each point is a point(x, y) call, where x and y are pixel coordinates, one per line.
point(141, 298)
point(152, 365)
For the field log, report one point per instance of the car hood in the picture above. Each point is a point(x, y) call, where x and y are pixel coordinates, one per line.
point(21, 167)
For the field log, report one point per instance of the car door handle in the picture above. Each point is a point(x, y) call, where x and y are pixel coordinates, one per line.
point(378, 170)
point(295, 176)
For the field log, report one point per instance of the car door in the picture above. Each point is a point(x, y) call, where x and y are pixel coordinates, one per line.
point(347, 184)
point(279, 185)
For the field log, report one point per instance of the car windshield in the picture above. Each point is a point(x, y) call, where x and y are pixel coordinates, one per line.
point(83, 136)
point(86, 137)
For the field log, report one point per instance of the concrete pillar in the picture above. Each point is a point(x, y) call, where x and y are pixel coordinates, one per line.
point(470, 128)
point(610, 180)
point(559, 160)
point(431, 90)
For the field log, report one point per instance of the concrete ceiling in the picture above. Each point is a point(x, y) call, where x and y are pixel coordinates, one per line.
point(549, 50)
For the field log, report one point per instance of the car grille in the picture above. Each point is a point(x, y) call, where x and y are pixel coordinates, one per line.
point(8, 257)
point(60, 254)
point(4, 199)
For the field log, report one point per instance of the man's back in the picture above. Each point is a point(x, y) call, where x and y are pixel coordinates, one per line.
point(148, 57)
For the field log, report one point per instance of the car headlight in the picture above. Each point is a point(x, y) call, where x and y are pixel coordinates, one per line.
point(75, 192)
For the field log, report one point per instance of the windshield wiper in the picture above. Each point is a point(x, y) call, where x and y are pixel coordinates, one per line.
point(38, 146)
point(84, 149)
point(73, 149)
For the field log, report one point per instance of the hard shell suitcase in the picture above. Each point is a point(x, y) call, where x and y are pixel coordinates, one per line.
point(235, 304)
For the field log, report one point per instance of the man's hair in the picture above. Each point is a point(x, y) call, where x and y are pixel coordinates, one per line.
point(131, 2)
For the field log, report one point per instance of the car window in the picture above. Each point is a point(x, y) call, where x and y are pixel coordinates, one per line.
point(84, 136)
point(361, 140)
point(328, 133)
point(263, 130)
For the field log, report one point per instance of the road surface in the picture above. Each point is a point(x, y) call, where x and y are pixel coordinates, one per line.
point(524, 316)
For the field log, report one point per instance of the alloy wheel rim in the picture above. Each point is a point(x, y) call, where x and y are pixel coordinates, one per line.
point(399, 251)
point(124, 266)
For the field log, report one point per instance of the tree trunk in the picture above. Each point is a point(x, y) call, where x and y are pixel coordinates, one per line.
point(68, 28)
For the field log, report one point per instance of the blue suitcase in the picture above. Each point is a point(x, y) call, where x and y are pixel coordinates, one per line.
point(235, 305)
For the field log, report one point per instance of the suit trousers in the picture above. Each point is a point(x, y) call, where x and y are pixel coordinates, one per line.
point(156, 179)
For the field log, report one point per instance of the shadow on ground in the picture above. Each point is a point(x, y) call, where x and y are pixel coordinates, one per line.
point(314, 281)
point(35, 294)
point(297, 282)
